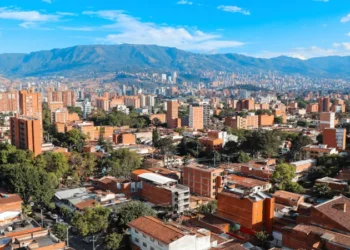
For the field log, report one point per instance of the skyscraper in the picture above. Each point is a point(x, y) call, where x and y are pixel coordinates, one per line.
point(86, 108)
point(324, 104)
point(327, 120)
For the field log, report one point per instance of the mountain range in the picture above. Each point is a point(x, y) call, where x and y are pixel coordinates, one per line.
point(100, 59)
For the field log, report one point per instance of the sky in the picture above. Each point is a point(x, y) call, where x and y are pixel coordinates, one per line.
point(260, 28)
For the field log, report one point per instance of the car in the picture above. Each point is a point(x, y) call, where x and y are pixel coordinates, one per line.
point(88, 239)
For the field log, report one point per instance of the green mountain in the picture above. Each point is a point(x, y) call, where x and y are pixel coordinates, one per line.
point(100, 59)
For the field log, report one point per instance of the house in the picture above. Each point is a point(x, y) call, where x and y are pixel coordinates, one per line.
point(315, 151)
point(10, 208)
point(288, 198)
point(334, 184)
point(150, 233)
point(245, 183)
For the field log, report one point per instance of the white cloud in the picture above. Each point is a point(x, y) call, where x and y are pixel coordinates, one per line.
point(234, 9)
point(128, 29)
point(184, 2)
point(65, 13)
point(337, 49)
point(76, 28)
point(28, 19)
point(323, 1)
point(47, 1)
point(345, 19)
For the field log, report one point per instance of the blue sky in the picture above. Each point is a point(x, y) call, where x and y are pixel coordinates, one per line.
point(262, 28)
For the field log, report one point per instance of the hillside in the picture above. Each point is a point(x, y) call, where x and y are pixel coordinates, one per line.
point(99, 59)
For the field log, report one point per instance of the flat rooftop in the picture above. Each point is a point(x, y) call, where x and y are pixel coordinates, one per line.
point(157, 178)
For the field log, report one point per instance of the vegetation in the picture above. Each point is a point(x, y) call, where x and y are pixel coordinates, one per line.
point(113, 240)
point(208, 208)
point(60, 231)
point(282, 178)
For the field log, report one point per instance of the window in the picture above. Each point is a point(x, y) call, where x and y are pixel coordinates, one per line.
point(144, 244)
point(160, 244)
point(151, 248)
point(136, 240)
point(151, 239)
point(136, 231)
point(144, 236)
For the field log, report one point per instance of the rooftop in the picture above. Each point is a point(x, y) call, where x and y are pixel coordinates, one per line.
point(287, 195)
point(332, 180)
point(157, 178)
point(65, 194)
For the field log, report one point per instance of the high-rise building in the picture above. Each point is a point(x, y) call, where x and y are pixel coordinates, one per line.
point(124, 89)
point(30, 103)
point(102, 103)
point(163, 78)
point(59, 115)
point(9, 101)
point(196, 117)
point(174, 77)
point(206, 115)
point(87, 107)
point(334, 138)
point(26, 133)
point(133, 101)
point(172, 113)
point(247, 104)
point(327, 120)
point(238, 122)
point(324, 104)
point(68, 98)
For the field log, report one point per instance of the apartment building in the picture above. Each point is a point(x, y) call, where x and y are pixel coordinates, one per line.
point(149, 233)
point(334, 138)
point(59, 115)
point(324, 104)
point(253, 211)
point(102, 103)
point(202, 180)
point(315, 151)
point(158, 117)
point(26, 133)
point(30, 103)
point(172, 116)
point(249, 122)
point(266, 120)
point(133, 101)
point(124, 138)
point(9, 101)
point(327, 120)
point(312, 108)
point(162, 191)
point(87, 128)
point(245, 104)
point(196, 117)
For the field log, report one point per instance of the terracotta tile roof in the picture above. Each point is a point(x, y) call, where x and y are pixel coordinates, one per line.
point(246, 182)
point(140, 171)
point(229, 246)
point(337, 237)
point(157, 229)
point(287, 195)
point(334, 210)
point(84, 204)
point(12, 198)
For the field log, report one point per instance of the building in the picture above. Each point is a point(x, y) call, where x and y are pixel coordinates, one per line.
point(55, 105)
point(249, 184)
point(26, 133)
point(162, 191)
point(202, 180)
point(288, 199)
point(312, 108)
point(315, 151)
point(150, 233)
point(102, 103)
point(334, 184)
point(30, 104)
point(324, 104)
point(196, 118)
point(124, 138)
point(87, 107)
point(115, 102)
point(68, 98)
point(10, 208)
point(246, 210)
point(87, 128)
point(132, 101)
point(206, 115)
point(59, 115)
point(334, 138)
point(245, 104)
point(172, 115)
point(266, 120)
point(211, 144)
point(9, 101)
point(251, 121)
point(327, 120)
point(158, 118)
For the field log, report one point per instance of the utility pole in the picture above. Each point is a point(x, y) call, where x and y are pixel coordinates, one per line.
point(67, 236)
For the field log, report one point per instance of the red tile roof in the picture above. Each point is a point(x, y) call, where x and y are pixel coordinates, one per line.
point(12, 198)
point(157, 229)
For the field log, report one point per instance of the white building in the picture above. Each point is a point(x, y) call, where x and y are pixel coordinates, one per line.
point(86, 108)
point(123, 108)
point(163, 77)
point(152, 234)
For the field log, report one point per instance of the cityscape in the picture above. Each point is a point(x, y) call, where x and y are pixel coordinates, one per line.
point(157, 135)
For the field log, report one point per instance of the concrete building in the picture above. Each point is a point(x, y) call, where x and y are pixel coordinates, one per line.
point(87, 128)
point(206, 115)
point(238, 122)
point(327, 120)
point(245, 104)
point(124, 138)
point(102, 103)
point(87, 107)
point(251, 211)
point(149, 233)
point(172, 115)
point(26, 133)
point(334, 138)
point(266, 120)
point(202, 180)
point(196, 117)
point(132, 101)
point(324, 104)
point(312, 108)
point(59, 115)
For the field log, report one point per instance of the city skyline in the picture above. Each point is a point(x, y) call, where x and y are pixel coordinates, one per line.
point(301, 29)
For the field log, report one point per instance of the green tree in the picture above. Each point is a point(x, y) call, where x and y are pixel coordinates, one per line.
point(56, 163)
point(91, 220)
point(298, 143)
point(282, 178)
point(166, 146)
point(75, 139)
point(243, 157)
point(131, 211)
point(208, 208)
point(60, 231)
point(113, 240)
point(278, 120)
point(123, 161)
point(262, 238)
point(155, 137)
point(75, 110)
point(322, 190)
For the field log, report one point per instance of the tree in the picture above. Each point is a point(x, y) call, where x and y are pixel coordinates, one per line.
point(123, 162)
point(166, 146)
point(113, 240)
point(75, 139)
point(278, 120)
point(243, 157)
point(319, 138)
point(60, 231)
point(56, 163)
point(155, 137)
point(130, 211)
point(298, 143)
point(262, 237)
point(91, 221)
point(322, 190)
point(208, 208)
point(283, 176)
